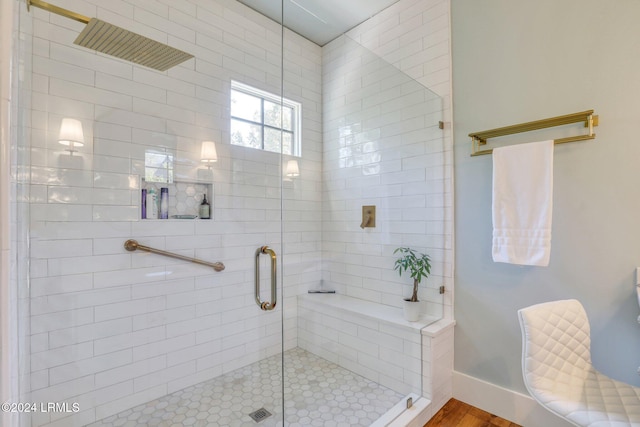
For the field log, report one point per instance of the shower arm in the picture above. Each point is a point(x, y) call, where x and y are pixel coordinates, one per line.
point(119, 42)
point(131, 245)
point(58, 10)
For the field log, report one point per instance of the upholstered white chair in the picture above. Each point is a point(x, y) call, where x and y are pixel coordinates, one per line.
point(557, 369)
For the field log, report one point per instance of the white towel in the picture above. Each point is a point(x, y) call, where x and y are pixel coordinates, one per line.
point(522, 203)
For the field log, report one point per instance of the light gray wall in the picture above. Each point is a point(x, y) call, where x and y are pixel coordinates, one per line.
point(513, 62)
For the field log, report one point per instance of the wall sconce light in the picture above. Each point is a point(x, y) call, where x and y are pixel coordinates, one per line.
point(292, 169)
point(71, 134)
point(208, 153)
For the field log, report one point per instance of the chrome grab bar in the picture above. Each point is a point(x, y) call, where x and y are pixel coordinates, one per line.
point(131, 245)
point(267, 305)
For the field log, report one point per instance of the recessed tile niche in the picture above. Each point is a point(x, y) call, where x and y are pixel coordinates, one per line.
point(184, 197)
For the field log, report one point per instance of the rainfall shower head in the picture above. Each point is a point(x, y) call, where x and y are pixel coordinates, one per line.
point(116, 41)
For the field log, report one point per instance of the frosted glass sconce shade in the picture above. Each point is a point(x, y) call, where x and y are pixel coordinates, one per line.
point(208, 153)
point(292, 168)
point(71, 134)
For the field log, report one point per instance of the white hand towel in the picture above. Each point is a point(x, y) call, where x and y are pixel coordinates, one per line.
point(522, 203)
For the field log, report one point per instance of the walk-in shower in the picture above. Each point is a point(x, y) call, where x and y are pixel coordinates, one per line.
point(288, 140)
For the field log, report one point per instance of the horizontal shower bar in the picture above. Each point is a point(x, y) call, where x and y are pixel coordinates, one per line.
point(132, 245)
point(58, 11)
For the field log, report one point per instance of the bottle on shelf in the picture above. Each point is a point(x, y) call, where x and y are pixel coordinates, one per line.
point(205, 209)
point(152, 204)
point(164, 203)
point(143, 204)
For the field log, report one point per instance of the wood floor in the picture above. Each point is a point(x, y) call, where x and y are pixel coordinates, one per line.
point(458, 414)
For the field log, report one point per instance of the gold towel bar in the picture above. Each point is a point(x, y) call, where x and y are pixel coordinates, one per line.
point(131, 245)
point(590, 120)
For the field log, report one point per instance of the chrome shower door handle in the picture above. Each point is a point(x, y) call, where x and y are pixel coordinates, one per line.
point(266, 305)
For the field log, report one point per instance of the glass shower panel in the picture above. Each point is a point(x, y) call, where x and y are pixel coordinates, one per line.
point(383, 147)
point(115, 335)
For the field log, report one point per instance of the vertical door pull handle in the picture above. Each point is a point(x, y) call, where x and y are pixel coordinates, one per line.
point(266, 305)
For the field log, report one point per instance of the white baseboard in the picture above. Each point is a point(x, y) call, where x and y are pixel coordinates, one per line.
point(508, 404)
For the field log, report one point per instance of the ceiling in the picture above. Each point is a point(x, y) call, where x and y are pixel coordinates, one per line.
point(319, 20)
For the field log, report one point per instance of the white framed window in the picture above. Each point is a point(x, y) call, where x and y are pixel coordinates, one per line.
point(264, 121)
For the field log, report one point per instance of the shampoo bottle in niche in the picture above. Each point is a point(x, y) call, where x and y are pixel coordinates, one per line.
point(143, 204)
point(152, 204)
point(164, 203)
point(205, 209)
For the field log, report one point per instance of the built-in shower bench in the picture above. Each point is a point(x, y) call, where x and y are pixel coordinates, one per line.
point(375, 341)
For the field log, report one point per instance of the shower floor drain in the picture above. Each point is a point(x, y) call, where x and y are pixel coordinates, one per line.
point(260, 415)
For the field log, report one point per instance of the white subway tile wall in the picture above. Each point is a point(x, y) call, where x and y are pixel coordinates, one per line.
point(111, 329)
point(382, 146)
point(414, 36)
point(9, 333)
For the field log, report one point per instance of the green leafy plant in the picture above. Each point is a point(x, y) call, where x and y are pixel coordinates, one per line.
point(418, 264)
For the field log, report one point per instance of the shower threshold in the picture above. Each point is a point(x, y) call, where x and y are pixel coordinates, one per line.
point(317, 393)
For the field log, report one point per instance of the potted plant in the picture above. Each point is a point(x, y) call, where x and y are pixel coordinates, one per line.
point(419, 267)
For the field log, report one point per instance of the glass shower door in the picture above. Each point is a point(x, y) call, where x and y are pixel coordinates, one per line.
point(110, 334)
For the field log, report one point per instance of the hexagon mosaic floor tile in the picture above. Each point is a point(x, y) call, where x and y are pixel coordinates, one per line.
point(317, 393)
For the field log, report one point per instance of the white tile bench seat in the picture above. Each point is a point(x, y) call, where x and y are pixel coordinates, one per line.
point(370, 339)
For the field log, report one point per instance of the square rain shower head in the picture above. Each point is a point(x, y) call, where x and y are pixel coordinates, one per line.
point(116, 41)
